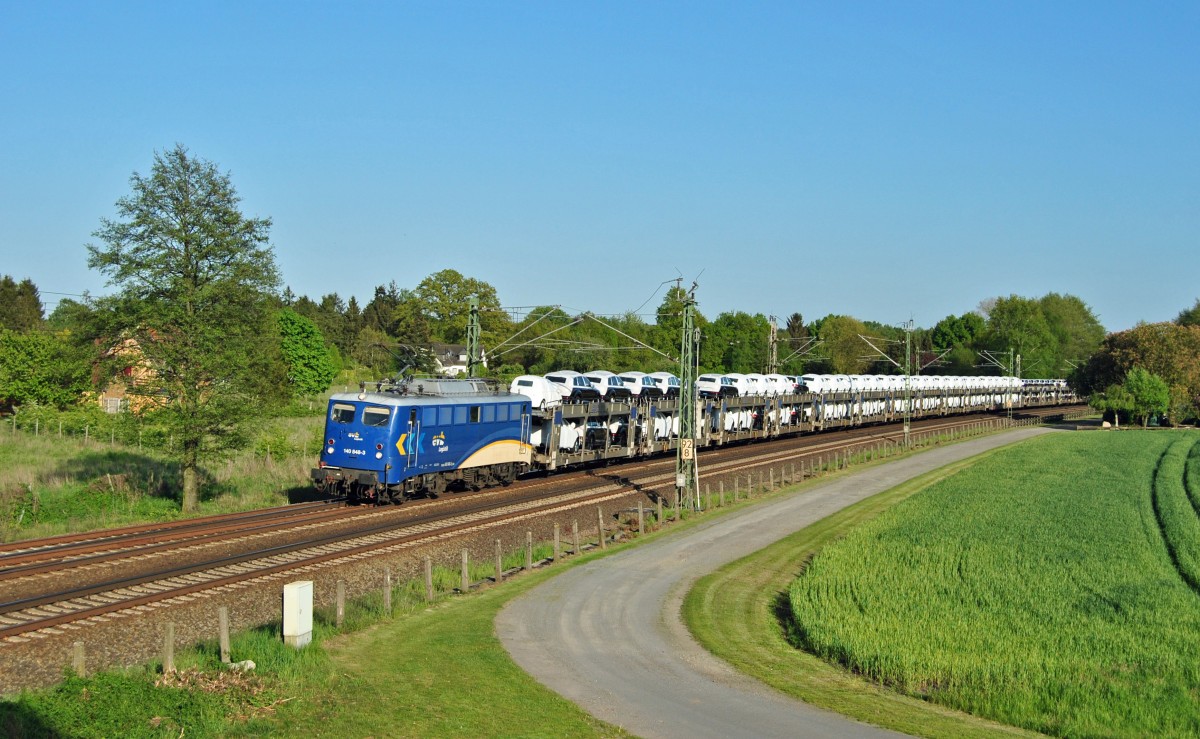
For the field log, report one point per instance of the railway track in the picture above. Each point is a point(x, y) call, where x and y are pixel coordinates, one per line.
point(93, 599)
point(94, 591)
point(24, 558)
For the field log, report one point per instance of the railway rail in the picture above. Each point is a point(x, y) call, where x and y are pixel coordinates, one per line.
point(373, 531)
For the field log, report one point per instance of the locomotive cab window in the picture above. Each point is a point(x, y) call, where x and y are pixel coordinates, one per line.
point(342, 413)
point(375, 415)
point(487, 414)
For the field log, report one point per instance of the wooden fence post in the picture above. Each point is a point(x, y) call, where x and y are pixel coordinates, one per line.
point(557, 543)
point(465, 583)
point(78, 660)
point(341, 602)
point(499, 563)
point(641, 519)
point(575, 537)
point(600, 526)
point(428, 579)
point(387, 590)
point(528, 550)
point(223, 632)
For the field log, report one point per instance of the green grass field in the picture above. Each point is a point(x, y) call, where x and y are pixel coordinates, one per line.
point(52, 484)
point(1051, 586)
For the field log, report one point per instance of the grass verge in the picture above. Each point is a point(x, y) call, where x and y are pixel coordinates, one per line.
point(423, 671)
point(53, 485)
point(736, 613)
point(1035, 585)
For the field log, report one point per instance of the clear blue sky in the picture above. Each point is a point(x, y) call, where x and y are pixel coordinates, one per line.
point(884, 160)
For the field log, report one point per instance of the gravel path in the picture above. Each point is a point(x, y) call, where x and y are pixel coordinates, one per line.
point(609, 636)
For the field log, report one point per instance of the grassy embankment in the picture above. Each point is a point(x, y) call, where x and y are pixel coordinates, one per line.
point(424, 671)
point(1048, 586)
point(52, 484)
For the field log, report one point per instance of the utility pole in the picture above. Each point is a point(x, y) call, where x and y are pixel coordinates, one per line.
point(1016, 374)
point(473, 354)
point(687, 470)
point(908, 327)
point(908, 367)
point(773, 356)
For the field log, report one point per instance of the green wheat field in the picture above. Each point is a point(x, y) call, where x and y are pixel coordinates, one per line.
point(1053, 586)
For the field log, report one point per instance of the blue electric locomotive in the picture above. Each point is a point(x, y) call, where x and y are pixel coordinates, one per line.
point(385, 446)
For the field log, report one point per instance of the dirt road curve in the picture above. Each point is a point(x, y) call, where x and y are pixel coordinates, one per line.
point(608, 635)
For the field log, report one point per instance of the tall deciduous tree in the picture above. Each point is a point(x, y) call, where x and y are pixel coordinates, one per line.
point(444, 298)
point(1167, 350)
point(42, 368)
point(735, 342)
point(311, 364)
point(668, 321)
point(842, 339)
point(1076, 330)
point(1148, 392)
point(956, 331)
point(1115, 400)
point(194, 279)
point(1019, 324)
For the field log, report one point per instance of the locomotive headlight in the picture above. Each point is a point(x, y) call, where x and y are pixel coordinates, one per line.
point(329, 450)
point(378, 455)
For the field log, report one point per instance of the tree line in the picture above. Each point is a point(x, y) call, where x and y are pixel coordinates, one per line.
point(197, 324)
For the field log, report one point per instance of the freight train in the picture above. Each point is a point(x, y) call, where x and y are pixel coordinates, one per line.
point(425, 437)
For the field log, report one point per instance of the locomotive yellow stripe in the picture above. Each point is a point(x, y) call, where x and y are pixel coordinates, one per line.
point(499, 452)
point(400, 443)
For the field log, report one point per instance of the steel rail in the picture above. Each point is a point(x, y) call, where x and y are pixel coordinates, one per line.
point(11, 551)
point(529, 502)
point(73, 605)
